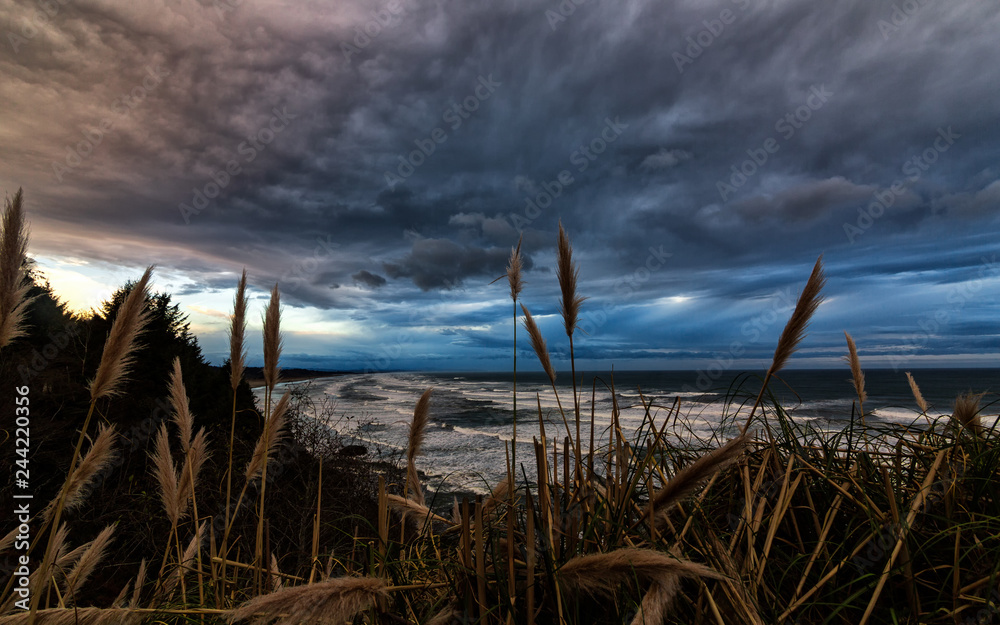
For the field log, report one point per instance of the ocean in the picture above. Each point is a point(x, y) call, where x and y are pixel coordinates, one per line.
point(471, 414)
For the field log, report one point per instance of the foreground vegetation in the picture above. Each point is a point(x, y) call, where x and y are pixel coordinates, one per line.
point(769, 521)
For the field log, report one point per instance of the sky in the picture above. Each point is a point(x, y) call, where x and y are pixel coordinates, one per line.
point(378, 159)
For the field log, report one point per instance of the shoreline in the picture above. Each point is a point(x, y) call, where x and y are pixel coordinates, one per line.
point(255, 377)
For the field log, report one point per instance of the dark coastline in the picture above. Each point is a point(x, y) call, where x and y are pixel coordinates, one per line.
point(255, 375)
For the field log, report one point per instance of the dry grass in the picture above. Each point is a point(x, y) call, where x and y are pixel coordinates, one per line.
point(515, 268)
point(330, 602)
point(857, 375)
point(97, 459)
point(690, 477)
point(272, 340)
point(13, 286)
point(795, 329)
point(407, 508)
point(121, 341)
point(538, 344)
point(274, 431)
point(656, 603)
point(917, 395)
point(421, 416)
point(186, 562)
point(140, 579)
point(966, 412)
point(76, 616)
point(604, 573)
point(194, 447)
point(237, 367)
point(794, 527)
point(179, 402)
point(89, 559)
point(237, 333)
point(568, 273)
point(166, 476)
point(194, 459)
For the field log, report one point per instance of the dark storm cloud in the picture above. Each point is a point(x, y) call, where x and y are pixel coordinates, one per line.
point(804, 202)
point(369, 279)
point(366, 168)
point(441, 263)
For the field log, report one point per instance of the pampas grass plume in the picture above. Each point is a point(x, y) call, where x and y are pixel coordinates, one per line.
point(917, 395)
point(187, 481)
point(140, 579)
point(88, 561)
point(795, 329)
point(98, 457)
point(275, 574)
point(190, 553)
point(272, 339)
point(967, 412)
point(514, 269)
point(857, 375)
point(118, 349)
point(13, 286)
point(181, 406)
point(421, 416)
point(538, 343)
point(273, 432)
point(449, 615)
point(687, 479)
point(166, 475)
point(656, 603)
point(409, 508)
point(331, 602)
point(59, 546)
point(568, 274)
point(602, 573)
point(237, 334)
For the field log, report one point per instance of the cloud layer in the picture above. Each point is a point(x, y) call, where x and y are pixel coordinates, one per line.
point(382, 158)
